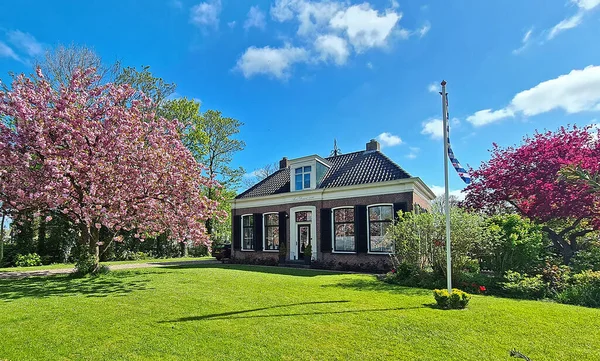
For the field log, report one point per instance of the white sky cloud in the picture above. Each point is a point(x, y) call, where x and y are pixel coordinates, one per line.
point(275, 62)
point(433, 88)
point(206, 14)
point(369, 65)
point(422, 31)
point(255, 19)
point(524, 42)
point(26, 43)
point(7, 52)
point(584, 6)
point(388, 139)
point(414, 151)
point(575, 92)
point(364, 26)
point(332, 47)
point(434, 128)
point(439, 191)
point(231, 24)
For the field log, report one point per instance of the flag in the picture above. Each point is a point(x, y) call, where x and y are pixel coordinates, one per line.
point(462, 173)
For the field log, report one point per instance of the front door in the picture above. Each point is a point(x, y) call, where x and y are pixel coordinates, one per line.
point(303, 239)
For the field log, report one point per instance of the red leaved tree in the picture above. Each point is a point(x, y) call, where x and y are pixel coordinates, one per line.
point(100, 156)
point(528, 178)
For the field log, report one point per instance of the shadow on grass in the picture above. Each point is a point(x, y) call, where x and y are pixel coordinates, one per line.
point(114, 284)
point(288, 271)
point(376, 285)
point(234, 315)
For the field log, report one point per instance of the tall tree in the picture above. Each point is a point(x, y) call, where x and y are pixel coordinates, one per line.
point(101, 157)
point(528, 178)
point(147, 84)
point(187, 112)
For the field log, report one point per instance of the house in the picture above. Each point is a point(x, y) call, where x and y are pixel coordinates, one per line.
point(340, 205)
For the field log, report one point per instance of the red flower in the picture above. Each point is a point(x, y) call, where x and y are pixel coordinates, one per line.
point(482, 288)
point(393, 270)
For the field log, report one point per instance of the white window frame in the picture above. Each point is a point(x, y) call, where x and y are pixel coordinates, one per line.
point(333, 230)
point(369, 227)
point(242, 232)
point(311, 175)
point(264, 237)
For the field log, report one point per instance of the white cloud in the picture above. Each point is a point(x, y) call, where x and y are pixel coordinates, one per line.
point(274, 62)
point(370, 65)
point(524, 41)
point(231, 24)
point(365, 27)
point(311, 15)
point(7, 52)
point(256, 19)
point(388, 139)
point(424, 29)
point(584, 6)
point(394, 4)
point(433, 88)
point(434, 128)
point(206, 14)
point(575, 92)
point(439, 191)
point(332, 47)
point(414, 151)
point(26, 42)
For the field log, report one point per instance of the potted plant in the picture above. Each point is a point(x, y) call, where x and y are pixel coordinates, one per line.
point(282, 252)
point(307, 254)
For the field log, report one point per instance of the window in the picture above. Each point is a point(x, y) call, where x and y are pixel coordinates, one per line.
point(271, 222)
point(380, 219)
point(302, 177)
point(248, 232)
point(343, 230)
point(304, 216)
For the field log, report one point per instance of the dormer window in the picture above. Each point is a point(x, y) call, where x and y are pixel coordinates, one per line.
point(302, 177)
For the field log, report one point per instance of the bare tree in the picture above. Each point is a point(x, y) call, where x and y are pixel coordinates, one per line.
point(260, 174)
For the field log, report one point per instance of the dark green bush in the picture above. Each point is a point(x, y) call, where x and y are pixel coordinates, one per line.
point(523, 286)
point(451, 301)
point(584, 290)
point(28, 260)
point(588, 259)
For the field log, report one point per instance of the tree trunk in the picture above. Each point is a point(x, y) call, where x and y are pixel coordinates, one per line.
point(567, 249)
point(90, 251)
point(183, 250)
point(2, 239)
point(41, 246)
point(94, 247)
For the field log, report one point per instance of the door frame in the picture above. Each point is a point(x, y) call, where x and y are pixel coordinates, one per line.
point(293, 247)
point(310, 239)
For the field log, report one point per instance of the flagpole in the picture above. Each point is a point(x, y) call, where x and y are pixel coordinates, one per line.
point(446, 190)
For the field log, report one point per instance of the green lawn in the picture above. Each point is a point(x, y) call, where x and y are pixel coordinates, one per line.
point(231, 312)
point(112, 263)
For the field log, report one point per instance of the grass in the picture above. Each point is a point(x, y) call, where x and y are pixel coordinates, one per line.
point(112, 263)
point(232, 312)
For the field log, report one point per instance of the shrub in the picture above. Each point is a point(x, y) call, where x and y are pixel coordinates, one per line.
point(456, 300)
point(584, 290)
point(478, 283)
point(587, 259)
point(28, 260)
point(523, 286)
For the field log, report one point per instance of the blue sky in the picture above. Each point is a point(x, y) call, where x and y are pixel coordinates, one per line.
point(300, 73)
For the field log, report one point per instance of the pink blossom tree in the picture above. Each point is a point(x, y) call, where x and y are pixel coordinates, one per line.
point(99, 155)
point(528, 177)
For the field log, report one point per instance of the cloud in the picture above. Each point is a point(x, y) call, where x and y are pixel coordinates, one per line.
point(424, 29)
point(439, 191)
point(7, 52)
point(255, 19)
point(25, 42)
point(388, 139)
point(365, 27)
point(311, 15)
point(275, 62)
point(414, 151)
point(524, 42)
point(332, 47)
point(433, 88)
point(575, 92)
point(369, 65)
point(206, 14)
point(584, 6)
point(231, 24)
point(434, 128)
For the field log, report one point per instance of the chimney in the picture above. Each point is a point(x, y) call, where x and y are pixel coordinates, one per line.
point(373, 145)
point(283, 163)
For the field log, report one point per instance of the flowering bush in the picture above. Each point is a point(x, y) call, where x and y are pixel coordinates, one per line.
point(456, 300)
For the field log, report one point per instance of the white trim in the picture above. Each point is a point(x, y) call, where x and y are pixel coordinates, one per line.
point(293, 248)
point(333, 231)
point(309, 158)
point(369, 228)
point(242, 231)
point(322, 194)
point(264, 235)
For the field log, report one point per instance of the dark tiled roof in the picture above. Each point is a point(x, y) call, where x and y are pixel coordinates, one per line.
point(346, 170)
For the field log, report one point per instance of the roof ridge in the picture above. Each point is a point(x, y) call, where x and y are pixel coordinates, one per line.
point(260, 183)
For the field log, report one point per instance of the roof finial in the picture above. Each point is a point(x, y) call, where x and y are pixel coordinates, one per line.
point(336, 151)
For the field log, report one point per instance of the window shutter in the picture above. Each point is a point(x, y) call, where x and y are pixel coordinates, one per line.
point(403, 206)
point(360, 228)
point(282, 228)
point(258, 231)
point(236, 228)
point(326, 230)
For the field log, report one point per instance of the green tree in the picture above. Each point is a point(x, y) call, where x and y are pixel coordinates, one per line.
point(153, 87)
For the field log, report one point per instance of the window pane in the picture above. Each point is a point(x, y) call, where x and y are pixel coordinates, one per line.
point(344, 237)
point(304, 216)
point(387, 213)
point(378, 240)
point(299, 182)
point(343, 215)
point(381, 213)
point(272, 238)
point(248, 221)
point(306, 180)
point(307, 169)
point(299, 170)
point(271, 219)
point(247, 242)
